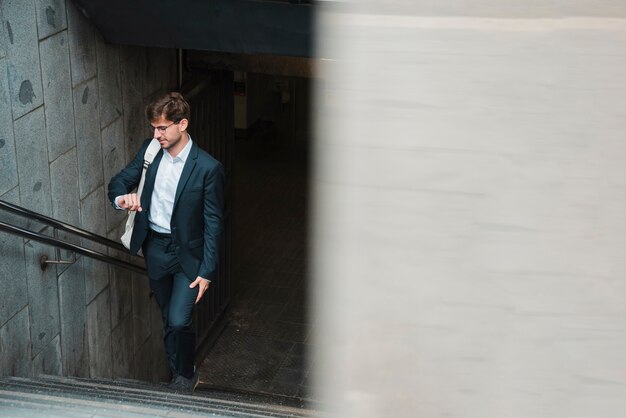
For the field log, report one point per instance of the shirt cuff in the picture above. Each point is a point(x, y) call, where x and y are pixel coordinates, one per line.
point(115, 203)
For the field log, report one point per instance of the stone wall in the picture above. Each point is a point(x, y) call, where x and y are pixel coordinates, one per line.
point(71, 115)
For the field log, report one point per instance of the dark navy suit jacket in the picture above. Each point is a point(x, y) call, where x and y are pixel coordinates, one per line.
point(196, 223)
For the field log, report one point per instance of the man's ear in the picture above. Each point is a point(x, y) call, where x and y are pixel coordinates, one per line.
point(182, 125)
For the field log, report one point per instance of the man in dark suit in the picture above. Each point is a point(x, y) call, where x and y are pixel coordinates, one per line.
point(177, 225)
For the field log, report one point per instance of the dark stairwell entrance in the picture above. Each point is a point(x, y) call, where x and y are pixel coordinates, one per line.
point(263, 348)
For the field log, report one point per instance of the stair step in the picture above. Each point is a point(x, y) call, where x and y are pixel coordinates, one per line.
point(64, 396)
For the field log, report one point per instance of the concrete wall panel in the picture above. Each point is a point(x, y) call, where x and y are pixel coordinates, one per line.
point(144, 364)
point(15, 347)
point(88, 141)
point(142, 314)
point(96, 275)
point(57, 91)
point(32, 162)
point(43, 296)
point(109, 85)
point(24, 70)
point(96, 272)
point(13, 284)
point(82, 45)
point(121, 294)
point(120, 281)
point(73, 321)
point(113, 154)
point(92, 212)
point(51, 17)
point(65, 203)
point(122, 346)
point(3, 37)
point(99, 336)
point(48, 361)
point(12, 196)
point(8, 163)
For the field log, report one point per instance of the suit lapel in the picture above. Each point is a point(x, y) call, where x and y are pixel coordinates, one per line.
point(148, 186)
point(187, 169)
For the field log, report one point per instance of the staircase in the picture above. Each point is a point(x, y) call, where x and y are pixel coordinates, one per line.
point(52, 396)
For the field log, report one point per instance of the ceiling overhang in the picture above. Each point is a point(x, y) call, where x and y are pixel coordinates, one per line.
point(232, 26)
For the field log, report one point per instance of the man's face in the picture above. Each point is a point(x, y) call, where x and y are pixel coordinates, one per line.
point(167, 132)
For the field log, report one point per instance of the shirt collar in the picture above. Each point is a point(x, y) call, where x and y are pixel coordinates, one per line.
point(182, 155)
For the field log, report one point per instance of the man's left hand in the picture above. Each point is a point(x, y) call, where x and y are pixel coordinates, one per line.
point(203, 285)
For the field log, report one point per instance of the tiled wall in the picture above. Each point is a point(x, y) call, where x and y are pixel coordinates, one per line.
point(71, 116)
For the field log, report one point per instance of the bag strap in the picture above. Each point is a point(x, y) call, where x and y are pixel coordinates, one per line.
point(151, 152)
point(148, 157)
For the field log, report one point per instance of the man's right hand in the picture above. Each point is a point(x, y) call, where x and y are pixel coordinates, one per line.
point(129, 202)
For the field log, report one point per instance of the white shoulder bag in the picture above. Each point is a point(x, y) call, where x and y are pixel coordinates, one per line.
point(148, 157)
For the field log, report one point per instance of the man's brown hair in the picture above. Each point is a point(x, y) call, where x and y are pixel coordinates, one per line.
point(172, 106)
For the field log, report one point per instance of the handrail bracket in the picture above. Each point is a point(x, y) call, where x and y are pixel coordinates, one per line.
point(44, 261)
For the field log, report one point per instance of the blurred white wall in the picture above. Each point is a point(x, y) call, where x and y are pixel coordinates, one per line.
point(469, 191)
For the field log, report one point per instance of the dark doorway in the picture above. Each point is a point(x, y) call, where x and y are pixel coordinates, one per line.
point(263, 348)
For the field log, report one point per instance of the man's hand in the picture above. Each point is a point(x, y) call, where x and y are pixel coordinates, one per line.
point(203, 286)
point(130, 202)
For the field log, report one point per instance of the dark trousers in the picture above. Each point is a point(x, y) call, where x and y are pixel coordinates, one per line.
point(176, 300)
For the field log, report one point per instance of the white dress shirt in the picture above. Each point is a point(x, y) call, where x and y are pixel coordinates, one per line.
point(165, 184)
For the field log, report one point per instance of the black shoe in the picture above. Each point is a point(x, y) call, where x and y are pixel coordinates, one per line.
point(182, 384)
point(174, 376)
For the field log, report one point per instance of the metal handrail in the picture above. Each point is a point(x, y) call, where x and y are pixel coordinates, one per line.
point(61, 225)
point(78, 249)
point(69, 246)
